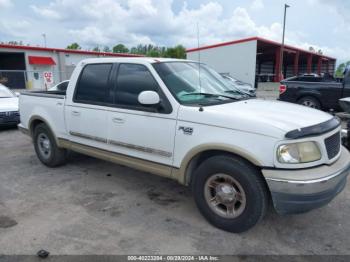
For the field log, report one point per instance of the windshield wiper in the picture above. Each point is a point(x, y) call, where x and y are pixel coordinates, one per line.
point(241, 93)
point(209, 94)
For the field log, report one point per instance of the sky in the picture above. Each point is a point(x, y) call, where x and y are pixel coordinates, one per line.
point(323, 24)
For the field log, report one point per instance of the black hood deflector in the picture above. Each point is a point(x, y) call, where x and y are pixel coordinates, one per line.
point(314, 130)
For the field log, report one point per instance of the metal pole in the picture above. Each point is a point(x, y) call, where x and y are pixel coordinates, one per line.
point(283, 34)
point(25, 80)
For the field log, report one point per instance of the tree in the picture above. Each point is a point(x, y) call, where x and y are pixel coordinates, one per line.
point(120, 48)
point(340, 69)
point(153, 53)
point(176, 52)
point(14, 43)
point(140, 49)
point(74, 46)
point(311, 49)
point(96, 49)
point(106, 49)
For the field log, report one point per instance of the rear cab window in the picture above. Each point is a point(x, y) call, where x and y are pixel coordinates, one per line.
point(63, 86)
point(307, 79)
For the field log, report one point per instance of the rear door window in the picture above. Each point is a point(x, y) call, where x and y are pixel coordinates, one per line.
point(93, 86)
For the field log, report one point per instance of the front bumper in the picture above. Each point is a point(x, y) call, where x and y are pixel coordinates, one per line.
point(298, 191)
point(9, 118)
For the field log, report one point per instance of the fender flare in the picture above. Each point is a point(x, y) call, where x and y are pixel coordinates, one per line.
point(314, 94)
point(182, 172)
point(37, 117)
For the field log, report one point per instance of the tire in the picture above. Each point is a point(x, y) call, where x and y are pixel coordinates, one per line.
point(247, 182)
point(46, 148)
point(310, 101)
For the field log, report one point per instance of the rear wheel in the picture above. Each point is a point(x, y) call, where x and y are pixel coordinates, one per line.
point(230, 193)
point(46, 148)
point(310, 101)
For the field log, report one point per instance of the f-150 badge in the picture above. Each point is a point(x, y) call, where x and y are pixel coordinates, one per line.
point(186, 130)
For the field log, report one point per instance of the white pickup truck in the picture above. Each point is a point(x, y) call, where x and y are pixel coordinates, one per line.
point(180, 119)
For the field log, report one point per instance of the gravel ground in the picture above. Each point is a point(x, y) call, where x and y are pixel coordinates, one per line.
point(94, 207)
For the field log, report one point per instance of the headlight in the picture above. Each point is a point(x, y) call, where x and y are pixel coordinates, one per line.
point(298, 153)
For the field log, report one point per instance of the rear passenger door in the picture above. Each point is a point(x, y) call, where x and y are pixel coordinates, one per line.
point(86, 115)
point(143, 132)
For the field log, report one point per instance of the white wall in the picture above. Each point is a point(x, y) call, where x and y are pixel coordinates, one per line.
point(32, 69)
point(72, 59)
point(238, 60)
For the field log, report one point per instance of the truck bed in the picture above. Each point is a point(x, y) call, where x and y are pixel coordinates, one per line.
point(49, 105)
point(327, 93)
point(52, 94)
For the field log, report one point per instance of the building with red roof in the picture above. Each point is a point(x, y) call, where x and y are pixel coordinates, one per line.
point(256, 59)
point(24, 66)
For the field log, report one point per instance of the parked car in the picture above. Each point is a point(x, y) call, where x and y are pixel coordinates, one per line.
point(174, 118)
point(9, 115)
point(62, 86)
point(320, 92)
point(244, 87)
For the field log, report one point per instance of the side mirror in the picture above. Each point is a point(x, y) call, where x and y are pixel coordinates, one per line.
point(17, 94)
point(148, 98)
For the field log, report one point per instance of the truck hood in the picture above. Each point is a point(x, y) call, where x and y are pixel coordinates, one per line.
point(8, 104)
point(269, 118)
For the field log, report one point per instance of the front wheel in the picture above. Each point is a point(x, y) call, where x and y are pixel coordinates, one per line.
point(230, 193)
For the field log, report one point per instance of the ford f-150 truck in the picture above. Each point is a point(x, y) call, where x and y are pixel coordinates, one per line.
point(315, 91)
point(179, 119)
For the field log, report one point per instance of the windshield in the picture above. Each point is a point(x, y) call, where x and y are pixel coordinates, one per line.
point(5, 93)
point(194, 83)
point(236, 82)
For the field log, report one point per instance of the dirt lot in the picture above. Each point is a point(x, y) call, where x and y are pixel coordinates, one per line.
point(94, 207)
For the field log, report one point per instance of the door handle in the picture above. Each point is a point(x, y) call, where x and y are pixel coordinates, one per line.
point(75, 113)
point(118, 120)
point(59, 104)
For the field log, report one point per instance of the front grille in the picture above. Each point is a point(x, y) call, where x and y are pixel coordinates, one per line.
point(332, 145)
point(9, 117)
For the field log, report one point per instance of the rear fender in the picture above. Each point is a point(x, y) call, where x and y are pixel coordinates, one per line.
point(49, 124)
point(314, 93)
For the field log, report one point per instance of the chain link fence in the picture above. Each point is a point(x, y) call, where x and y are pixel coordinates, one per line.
point(32, 80)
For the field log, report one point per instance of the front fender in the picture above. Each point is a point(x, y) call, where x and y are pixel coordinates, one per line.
point(181, 173)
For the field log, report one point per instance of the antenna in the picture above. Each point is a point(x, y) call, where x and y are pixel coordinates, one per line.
point(199, 61)
point(199, 53)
